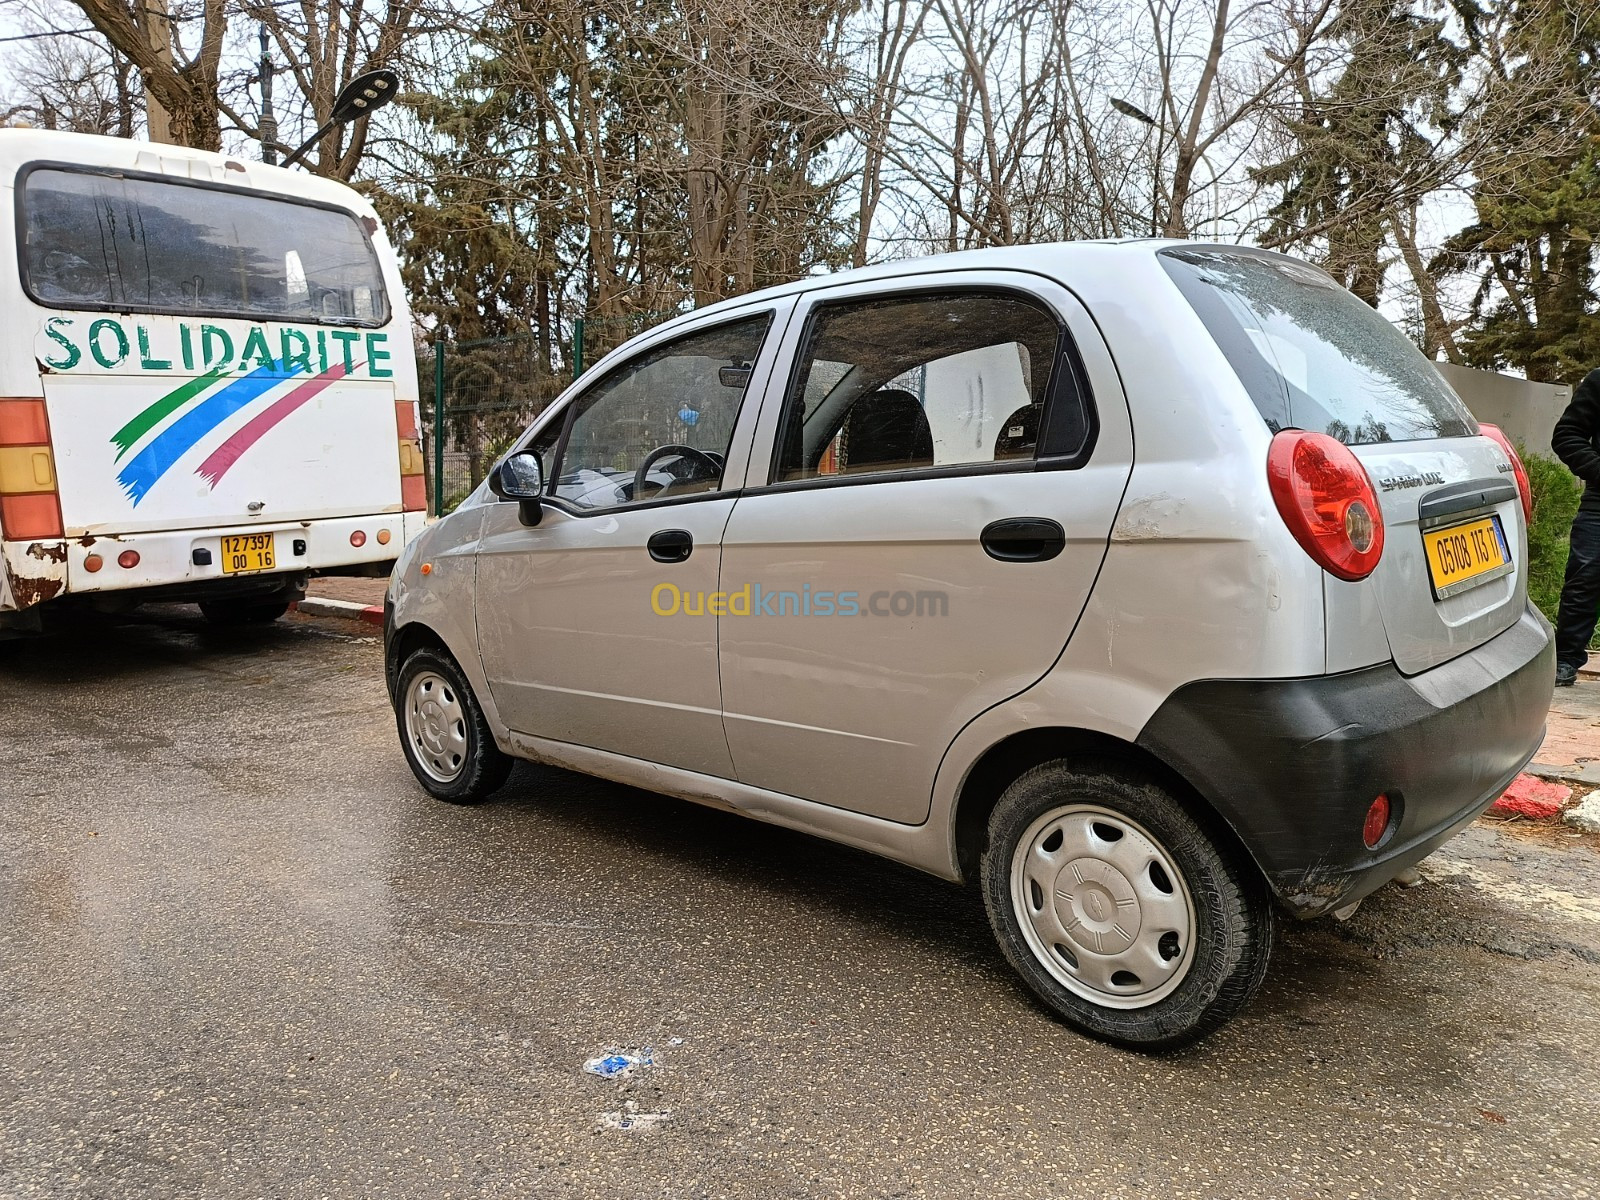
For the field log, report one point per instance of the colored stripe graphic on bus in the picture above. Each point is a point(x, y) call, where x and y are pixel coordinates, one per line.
point(147, 467)
point(225, 455)
point(128, 436)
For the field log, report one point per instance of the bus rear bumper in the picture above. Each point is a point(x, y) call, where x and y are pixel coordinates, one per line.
point(178, 558)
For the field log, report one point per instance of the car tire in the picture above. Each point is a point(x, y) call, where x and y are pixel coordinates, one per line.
point(1119, 910)
point(231, 614)
point(443, 731)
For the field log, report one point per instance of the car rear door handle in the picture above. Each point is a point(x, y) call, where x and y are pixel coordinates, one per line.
point(1023, 539)
point(670, 545)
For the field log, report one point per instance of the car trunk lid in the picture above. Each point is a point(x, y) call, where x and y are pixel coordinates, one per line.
point(1443, 585)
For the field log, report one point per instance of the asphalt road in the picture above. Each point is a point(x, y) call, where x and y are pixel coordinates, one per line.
point(242, 955)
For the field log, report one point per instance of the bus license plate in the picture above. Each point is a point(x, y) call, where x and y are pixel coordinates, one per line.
point(248, 552)
point(1464, 556)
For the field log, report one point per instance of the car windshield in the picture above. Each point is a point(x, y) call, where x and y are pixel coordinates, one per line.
point(1313, 356)
point(129, 244)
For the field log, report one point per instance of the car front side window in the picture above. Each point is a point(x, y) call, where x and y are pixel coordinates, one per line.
point(659, 425)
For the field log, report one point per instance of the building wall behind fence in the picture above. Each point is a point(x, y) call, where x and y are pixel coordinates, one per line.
point(1526, 411)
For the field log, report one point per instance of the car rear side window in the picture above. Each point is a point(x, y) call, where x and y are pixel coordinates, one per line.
point(902, 383)
point(1310, 354)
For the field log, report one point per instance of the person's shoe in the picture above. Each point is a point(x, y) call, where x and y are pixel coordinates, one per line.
point(1566, 675)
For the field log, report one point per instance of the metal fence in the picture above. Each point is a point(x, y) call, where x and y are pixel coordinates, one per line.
point(478, 396)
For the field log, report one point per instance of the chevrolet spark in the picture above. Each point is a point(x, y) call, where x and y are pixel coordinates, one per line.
point(1162, 589)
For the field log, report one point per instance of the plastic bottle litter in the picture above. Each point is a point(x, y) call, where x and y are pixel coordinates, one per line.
point(611, 1066)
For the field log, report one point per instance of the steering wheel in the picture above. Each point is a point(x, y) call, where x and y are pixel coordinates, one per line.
point(698, 458)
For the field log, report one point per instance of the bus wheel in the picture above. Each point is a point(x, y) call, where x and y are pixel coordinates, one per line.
point(234, 613)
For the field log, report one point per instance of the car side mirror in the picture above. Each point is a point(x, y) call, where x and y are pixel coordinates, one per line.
point(520, 478)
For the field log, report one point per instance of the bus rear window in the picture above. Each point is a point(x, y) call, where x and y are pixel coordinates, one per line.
point(123, 243)
point(1310, 354)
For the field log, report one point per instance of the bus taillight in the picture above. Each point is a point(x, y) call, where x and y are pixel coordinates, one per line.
point(29, 505)
point(413, 487)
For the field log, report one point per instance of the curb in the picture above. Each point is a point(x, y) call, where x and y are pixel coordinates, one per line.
point(349, 610)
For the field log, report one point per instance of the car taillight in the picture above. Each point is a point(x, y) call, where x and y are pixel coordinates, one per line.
point(1328, 502)
point(1497, 435)
point(29, 505)
point(413, 486)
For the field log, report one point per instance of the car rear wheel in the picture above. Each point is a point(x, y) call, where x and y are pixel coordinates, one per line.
point(1117, 908)
point(444, 733)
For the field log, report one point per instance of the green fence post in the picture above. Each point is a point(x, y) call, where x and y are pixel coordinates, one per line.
point(577, 347)
point(438, 427)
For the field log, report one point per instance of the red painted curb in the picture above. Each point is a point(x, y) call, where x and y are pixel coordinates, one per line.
point(349, 610)
point(1533, 798)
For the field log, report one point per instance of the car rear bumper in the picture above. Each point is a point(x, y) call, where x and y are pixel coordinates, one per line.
point(166, 558)
point(1293, 764)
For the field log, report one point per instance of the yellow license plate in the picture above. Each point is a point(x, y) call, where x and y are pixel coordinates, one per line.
point(248, 552)
point(1466, 555)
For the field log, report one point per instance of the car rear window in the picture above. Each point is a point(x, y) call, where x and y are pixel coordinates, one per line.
point(126, 243)
point(1310, 354)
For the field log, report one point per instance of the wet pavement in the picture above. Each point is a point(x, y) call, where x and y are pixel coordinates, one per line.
point(242, 955)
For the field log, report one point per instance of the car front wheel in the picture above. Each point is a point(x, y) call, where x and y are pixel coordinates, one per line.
point(444, 733)
point(1118, 909)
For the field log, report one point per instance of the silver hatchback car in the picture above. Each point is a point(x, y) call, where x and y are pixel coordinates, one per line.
point(1162, 588)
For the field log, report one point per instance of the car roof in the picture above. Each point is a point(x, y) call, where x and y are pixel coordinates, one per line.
point(1062, 261)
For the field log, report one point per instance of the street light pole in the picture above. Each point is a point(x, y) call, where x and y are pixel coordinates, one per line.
point(1129, 109)
point(269, 119)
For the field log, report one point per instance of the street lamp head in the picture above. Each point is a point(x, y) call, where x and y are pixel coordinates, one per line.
point(365, 94)
point(1128, 109)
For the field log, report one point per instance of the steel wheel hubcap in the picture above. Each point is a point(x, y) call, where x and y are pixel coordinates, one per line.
point(436, 724)
point(1103, 906)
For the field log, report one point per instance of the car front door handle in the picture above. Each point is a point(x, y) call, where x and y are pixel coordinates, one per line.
point(670, 545)
point(1023, 539)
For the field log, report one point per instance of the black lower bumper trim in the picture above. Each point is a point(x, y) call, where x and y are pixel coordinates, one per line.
point(1293, 764)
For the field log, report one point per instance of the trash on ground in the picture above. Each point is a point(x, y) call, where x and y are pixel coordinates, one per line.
point(611, 1066)
point(630, 1118)
point(674, 1041)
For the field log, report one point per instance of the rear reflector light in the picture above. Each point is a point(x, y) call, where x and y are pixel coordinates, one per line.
point(92, 563)
point(128, 560)
point(1497, 435)
point(383, 537)
point(1327, 501)
point(1376, 825)
point(358, 539)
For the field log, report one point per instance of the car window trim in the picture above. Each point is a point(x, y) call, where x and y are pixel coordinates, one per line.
point(1068, 362)
point(568, 416)
point(154, 310)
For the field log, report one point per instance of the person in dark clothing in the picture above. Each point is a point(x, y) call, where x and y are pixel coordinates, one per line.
point(1576, 441)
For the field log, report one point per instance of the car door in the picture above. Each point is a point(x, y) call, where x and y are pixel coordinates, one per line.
point(943, 467)
point(578, 641)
